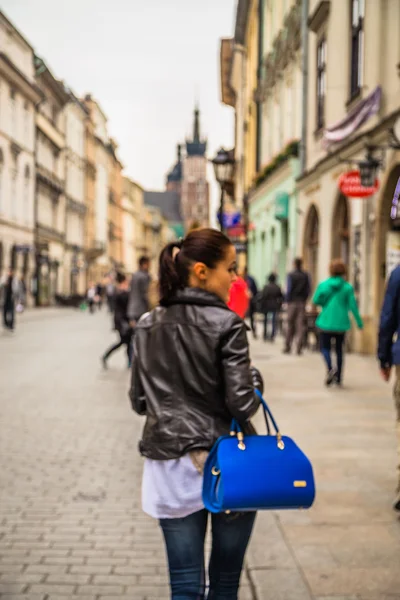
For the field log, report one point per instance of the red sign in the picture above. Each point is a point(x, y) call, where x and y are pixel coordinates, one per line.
point(350, 185)
point(236, 231)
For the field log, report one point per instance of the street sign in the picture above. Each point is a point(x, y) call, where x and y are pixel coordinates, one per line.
point(350, 185)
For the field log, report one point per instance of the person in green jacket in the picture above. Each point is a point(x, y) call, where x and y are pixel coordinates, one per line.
point(336, 297)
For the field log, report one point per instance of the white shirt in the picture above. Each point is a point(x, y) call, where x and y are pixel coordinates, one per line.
point(171, 489)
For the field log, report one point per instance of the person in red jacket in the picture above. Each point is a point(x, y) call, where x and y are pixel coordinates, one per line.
point(239, 299)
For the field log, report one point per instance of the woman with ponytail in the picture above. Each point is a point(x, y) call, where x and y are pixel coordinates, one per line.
point(191, 375)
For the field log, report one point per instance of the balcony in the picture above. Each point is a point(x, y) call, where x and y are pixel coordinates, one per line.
point(95, 249)
point(49, 179)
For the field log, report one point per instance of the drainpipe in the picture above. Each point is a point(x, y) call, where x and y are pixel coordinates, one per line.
point(304, 68)
point(259, 80)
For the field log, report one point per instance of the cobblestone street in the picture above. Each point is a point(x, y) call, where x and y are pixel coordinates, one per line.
point(70, 518)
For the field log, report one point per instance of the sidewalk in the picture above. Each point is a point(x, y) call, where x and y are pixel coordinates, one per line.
point(347, 546)
point(71, 524)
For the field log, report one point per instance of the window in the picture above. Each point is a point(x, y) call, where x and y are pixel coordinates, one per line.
point(27, 137)
point(27, 176)
point(357, 46)
point(14, 199)
point(13, 111)
point(321, 82)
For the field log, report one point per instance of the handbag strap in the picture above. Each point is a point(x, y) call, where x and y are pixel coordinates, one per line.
point(237, 430)
point(267, 410)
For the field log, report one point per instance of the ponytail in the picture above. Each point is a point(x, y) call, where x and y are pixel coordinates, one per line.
point(169, 279)
point(200, 245)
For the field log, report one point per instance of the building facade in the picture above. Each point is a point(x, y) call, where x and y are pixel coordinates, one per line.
point(50, 200)
point(115, 211)
point(132, 206)
point(195, 187)
point(272, 198)
point(353, 101)
point(98, 177)
point(76, 115)
point(155, 235)
point(19, 96)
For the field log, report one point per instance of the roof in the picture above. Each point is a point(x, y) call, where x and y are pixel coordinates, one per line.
point(57, 87)
point(15, 30)
point(176, 173)
point(168, 202)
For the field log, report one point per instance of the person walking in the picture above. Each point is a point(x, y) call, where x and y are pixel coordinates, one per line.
point(191, 374)
point(270, 304)
point(121, 320)
point(298, 290)
point(139, 302)
point(336, 298)
point(9, 296)
point(99, 295)
point(91, 296)
point(389, 352)
point(252, 286)
point(110, 294)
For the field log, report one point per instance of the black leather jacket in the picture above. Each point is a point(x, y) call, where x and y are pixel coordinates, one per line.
point(191, 374)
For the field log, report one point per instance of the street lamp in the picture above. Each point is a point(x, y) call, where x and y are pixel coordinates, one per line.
point(369, 169)
point(223, 164)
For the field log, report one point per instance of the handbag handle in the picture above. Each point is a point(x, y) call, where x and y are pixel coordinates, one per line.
point(237, 430)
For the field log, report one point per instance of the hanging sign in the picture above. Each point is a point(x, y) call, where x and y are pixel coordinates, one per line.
point(350, 185)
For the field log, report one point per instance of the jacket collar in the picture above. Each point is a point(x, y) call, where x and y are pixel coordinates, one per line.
point(198, 297)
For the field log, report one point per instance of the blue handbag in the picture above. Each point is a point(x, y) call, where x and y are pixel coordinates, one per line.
point(257, 472)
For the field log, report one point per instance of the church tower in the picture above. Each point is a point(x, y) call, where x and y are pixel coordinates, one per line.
point(195, 187)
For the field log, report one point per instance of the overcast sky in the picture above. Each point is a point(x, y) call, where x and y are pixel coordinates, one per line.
point(145, 61)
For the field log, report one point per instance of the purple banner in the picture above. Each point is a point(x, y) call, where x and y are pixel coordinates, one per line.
point(356, 117)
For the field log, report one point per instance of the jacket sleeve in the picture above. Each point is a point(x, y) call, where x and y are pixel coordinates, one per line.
point(136, 392)
point(388, 322)
point(354, 309)
point(240, 379)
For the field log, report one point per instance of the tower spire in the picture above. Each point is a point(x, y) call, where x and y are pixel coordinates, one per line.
point(196, 128)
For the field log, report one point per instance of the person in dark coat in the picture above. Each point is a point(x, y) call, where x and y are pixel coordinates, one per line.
point(389, 352)
point(297, 293)
point(10, 292)
point(139, 302)
point(121, 320)
point(252, 285)
point(270, 304)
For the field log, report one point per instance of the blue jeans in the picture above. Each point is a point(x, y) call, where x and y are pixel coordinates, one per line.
point(274, 318)
point(326, 340)
point(184, 540)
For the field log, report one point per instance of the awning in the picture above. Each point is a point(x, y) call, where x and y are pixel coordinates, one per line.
point(282, 206)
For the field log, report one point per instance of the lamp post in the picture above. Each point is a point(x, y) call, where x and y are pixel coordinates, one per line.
point(223, 164)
